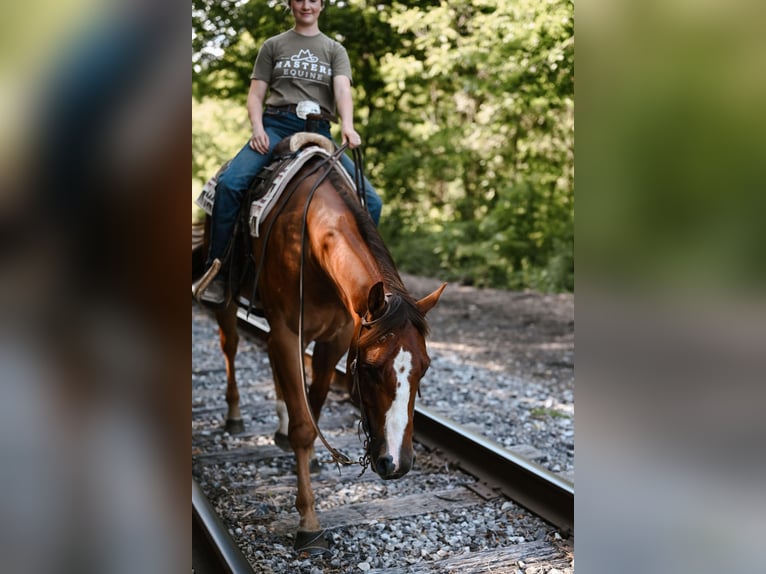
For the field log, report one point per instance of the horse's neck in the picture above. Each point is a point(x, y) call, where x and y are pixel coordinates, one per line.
point(352, 267)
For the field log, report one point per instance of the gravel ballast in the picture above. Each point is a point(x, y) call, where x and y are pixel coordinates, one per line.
point(512, 384)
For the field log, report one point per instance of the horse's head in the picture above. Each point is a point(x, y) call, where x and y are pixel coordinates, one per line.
point(387, 364)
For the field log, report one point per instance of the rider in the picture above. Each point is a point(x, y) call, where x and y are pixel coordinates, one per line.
point(300, 69)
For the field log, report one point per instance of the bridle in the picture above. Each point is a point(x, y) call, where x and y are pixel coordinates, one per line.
point(391, 306)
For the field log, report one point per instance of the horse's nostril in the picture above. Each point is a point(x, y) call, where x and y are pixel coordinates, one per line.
point(385, 465)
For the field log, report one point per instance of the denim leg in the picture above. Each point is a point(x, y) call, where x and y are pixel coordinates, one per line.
point(229, 191)
point(374, 203)
point(233, 183)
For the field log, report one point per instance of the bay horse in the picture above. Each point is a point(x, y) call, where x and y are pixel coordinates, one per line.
point(354, 300)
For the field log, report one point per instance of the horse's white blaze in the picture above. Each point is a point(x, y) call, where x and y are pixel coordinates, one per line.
point(284, 419)
point(397, 415)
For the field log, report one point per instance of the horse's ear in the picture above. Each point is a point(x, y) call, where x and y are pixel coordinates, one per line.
point(427, 303)
point(376, 300)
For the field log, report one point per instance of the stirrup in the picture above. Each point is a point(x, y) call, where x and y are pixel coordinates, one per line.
point(215, 294)
point(206, 279)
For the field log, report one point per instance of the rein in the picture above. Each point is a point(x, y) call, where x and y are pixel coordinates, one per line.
point(337, 456)
point(328, 163)
point(281, 206)
point(359, 176)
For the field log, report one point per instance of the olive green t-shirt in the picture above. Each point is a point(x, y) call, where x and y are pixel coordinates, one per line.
point(298, 68)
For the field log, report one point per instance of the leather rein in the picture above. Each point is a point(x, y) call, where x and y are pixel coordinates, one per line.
point(328, 163)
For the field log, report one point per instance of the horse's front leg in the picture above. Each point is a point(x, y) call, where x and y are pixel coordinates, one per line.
point(302, 443)
point(301, 433)
point(310, 536)
point(227, 323)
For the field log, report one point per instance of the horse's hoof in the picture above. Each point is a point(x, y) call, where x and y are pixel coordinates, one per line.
point(312, 543)
point(281, 440)
point(234, 426)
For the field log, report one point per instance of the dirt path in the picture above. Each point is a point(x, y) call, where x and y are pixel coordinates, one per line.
point(529, 335)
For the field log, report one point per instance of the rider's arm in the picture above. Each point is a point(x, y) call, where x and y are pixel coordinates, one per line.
point(255, 98)
point(345, 106)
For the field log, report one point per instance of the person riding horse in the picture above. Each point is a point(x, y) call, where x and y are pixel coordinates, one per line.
point(306, 74)
point(320, 235)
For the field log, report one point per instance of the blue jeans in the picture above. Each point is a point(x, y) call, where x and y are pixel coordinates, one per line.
point(233, 183)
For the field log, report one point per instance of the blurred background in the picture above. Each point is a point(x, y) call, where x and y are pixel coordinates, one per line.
point(466, 110)
point(670, 286)
point(474, 162)
point(94, 340)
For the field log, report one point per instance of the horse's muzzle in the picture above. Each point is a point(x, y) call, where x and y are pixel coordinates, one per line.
point(385, 468)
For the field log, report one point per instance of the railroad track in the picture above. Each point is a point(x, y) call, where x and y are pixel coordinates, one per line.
point(469, 505)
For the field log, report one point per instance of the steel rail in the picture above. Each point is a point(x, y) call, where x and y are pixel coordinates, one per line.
point(227, 555)
point(544, 493)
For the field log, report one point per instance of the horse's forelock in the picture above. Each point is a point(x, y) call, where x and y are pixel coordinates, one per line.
point(404, 310)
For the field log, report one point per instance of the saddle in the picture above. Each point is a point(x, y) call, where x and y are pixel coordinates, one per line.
point(290, 155)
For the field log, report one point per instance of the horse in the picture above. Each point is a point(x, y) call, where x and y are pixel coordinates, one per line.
point(354, 301)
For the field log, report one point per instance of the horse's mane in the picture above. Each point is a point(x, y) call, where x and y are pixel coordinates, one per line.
point(399, 299)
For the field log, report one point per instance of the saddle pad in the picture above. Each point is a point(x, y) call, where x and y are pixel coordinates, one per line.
point(260, 208)
point(207, 195)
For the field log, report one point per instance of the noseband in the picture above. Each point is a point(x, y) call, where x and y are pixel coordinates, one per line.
point(392, 304)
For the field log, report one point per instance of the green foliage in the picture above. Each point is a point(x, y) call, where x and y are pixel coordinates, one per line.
point(466, 108)
point(219, 130)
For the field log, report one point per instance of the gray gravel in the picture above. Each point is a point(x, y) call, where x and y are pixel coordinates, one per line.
point(503, 365)
point(527, 414)
point(514, 412)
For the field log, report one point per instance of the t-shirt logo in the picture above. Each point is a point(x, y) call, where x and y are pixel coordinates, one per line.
point(304, 56)
point(303, 65)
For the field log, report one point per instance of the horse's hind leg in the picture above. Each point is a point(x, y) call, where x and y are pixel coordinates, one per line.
point(280, 435)
point(227, 323)
point(326, 356)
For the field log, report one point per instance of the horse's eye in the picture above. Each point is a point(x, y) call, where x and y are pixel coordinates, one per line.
point(385, 337)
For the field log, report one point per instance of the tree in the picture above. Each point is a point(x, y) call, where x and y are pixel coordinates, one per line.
point(466, 109)
point(485, 89)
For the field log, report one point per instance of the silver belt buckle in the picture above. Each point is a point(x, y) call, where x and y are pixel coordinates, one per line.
point(307, 107)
